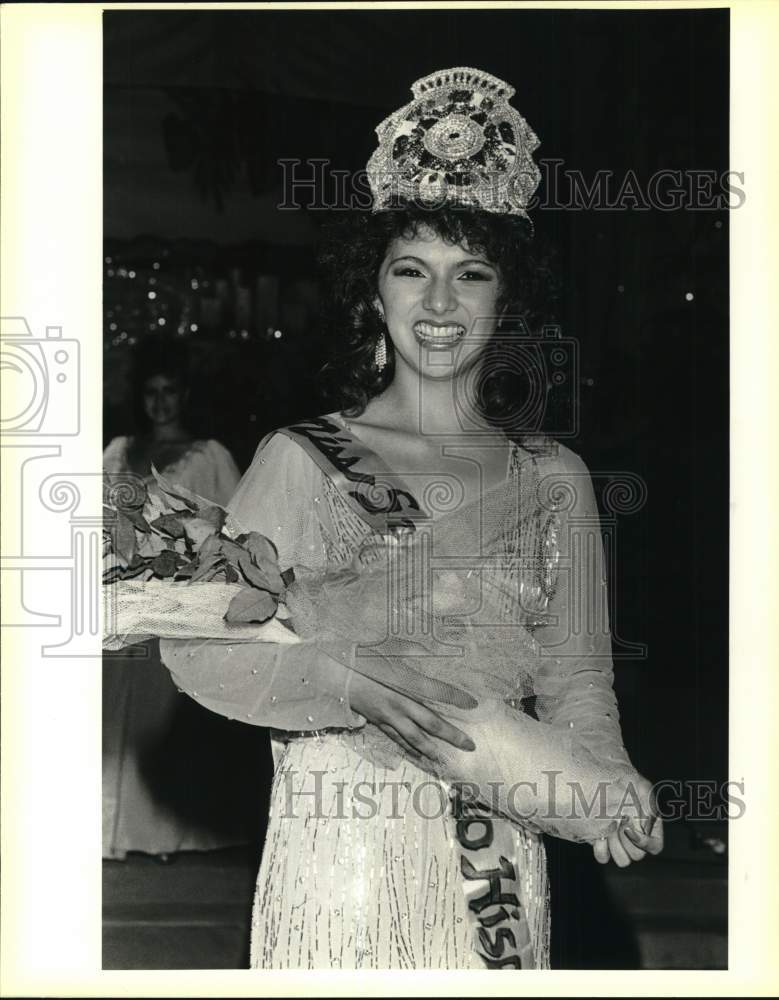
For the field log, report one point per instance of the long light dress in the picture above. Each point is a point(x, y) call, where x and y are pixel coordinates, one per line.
point(142, 718)
point(366, 865)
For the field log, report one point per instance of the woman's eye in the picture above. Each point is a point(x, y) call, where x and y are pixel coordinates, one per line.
point(476, 276)
point(408, 272)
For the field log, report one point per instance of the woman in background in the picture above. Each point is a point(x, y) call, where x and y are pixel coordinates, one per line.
point(149, 732)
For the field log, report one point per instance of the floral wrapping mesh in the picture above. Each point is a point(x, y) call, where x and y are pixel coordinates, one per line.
point(137, 610)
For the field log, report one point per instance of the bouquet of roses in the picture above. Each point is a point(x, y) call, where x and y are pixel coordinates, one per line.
point(171, 570)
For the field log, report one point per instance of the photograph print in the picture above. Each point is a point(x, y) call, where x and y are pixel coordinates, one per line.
point(416, 465)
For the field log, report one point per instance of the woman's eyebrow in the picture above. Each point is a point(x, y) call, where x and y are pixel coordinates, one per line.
point(460, 263)
point(476, 260)
point(417, 260)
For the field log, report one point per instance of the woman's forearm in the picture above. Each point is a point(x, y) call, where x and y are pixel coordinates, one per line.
point(538, 775)
point(299, 687)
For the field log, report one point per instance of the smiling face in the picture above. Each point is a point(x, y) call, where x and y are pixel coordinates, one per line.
point(439, 302)
point(162, 400)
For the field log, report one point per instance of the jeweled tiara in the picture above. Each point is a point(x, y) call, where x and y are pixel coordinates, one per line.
point(458, 142)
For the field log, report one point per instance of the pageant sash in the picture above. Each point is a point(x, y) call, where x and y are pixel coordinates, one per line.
point(381, 498)
point(378, 495)
point(489, 862)
point(490, 872)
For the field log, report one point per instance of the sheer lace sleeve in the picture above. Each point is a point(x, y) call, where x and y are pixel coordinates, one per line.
point(279, 496)
point(565, 772)
point(298, 687)
point(574, 685)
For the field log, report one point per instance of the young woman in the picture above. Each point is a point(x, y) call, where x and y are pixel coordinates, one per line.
point(442, 559)
point(142, 718)
point(160, 398)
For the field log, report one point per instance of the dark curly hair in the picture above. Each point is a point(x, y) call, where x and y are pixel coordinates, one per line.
point(351, 253)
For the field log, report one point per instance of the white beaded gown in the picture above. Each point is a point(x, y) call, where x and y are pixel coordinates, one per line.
point(366, 863)
point(380, 889)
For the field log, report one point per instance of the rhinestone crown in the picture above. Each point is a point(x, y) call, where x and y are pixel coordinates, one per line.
point(458, 142)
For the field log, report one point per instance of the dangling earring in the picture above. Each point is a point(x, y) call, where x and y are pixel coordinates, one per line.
point(380, 355)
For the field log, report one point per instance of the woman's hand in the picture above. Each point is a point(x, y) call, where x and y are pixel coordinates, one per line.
point(639, 834)
point(409, 723)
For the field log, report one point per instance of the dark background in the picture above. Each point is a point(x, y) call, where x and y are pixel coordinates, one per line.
point(200, 106)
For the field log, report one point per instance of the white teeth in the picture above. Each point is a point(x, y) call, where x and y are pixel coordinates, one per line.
point(448, 332)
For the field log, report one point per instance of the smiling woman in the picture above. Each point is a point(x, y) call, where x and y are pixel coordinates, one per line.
point(449, 587)
point(431, 297)
point(496, 251)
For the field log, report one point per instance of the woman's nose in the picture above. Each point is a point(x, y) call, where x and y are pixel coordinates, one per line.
point(439, 296)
